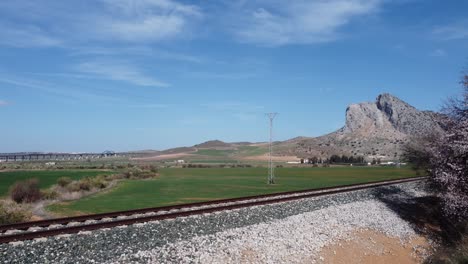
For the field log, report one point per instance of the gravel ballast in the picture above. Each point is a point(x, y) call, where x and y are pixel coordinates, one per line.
point(290, 232)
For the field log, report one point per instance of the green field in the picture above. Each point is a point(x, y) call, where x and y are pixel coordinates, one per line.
point(215, 152)
point(225, 155)
point(46, 178)
point(176, 186)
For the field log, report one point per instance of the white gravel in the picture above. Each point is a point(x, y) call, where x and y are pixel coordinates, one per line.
point(295, 239)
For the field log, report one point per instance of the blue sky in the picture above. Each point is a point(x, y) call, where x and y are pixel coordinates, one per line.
point(123, 75)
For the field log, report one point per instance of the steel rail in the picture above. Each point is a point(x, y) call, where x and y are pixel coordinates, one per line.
point(121, 222)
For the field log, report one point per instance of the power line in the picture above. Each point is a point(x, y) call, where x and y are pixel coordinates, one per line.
point(271, 172)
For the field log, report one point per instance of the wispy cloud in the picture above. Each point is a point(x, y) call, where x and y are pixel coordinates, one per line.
point(223, 75)
point(129, 21)
point(4, 103)
point(119, 71)
point(137, 50)
point(458, 30)
point(438, 53)
point(140, 21)
point(26, 37)
point(274, 23)
point(75, 94)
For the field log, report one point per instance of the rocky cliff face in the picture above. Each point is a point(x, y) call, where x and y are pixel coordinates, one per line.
point(388, 117)
point(405, 118)
point(373, 129)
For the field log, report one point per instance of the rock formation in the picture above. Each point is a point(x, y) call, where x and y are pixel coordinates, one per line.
point(372, 129)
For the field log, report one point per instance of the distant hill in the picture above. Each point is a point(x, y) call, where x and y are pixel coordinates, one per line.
point(372, 129)
point(214, 144)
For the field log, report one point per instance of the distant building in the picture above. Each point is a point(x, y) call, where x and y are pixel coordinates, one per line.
point(50, 164)
point(293, 162)
point(180, 161)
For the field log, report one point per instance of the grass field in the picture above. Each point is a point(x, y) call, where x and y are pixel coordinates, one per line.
point(177, 186)
point(46, 178)
point(225, 155)
point(215, 152)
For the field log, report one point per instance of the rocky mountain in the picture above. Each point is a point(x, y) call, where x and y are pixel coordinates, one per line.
point(372, 129)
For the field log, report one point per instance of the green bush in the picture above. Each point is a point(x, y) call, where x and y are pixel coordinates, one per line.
point(25, 191)
point(11, 213)
point(154, 169)
point(49, 194)
point(99, 182)
point(64, 181)
point(73, 187)
point(85, 184)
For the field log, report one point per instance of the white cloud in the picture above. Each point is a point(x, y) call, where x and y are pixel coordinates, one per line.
point(438, 53)
point(4, 103)
point(74, 93)
point(26, 36)
point(215, 75)
point(134, 50)
point(454, 31)
point(274, 23)
point(143, 20)
point(54, 23)
point(118, 71)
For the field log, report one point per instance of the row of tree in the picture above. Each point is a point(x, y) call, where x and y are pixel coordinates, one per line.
point(335, 159)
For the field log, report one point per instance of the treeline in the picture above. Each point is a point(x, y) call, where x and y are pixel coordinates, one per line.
point(335, 159)
point(205, 166)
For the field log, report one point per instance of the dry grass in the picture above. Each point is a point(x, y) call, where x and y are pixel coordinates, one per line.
point(11, 212)
point(26, 191)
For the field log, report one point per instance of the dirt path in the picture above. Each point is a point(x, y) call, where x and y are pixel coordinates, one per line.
point(369, 247)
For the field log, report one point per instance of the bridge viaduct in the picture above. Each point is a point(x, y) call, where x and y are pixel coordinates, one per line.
point(12, 157)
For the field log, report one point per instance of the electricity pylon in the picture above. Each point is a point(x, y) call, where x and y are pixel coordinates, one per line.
point(271, 169)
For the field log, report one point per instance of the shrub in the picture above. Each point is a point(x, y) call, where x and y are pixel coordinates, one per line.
point(49, 194)
point(73, 187)
point(99, 182)
point(154, 169)
point(85, 184)
point(64, 181)
point(11, 213)
point(25, 191)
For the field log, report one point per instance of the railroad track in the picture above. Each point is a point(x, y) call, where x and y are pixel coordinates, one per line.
point(77, 224)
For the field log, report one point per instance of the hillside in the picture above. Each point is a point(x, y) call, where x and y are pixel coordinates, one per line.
point(372, 129)
point(214, 144)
